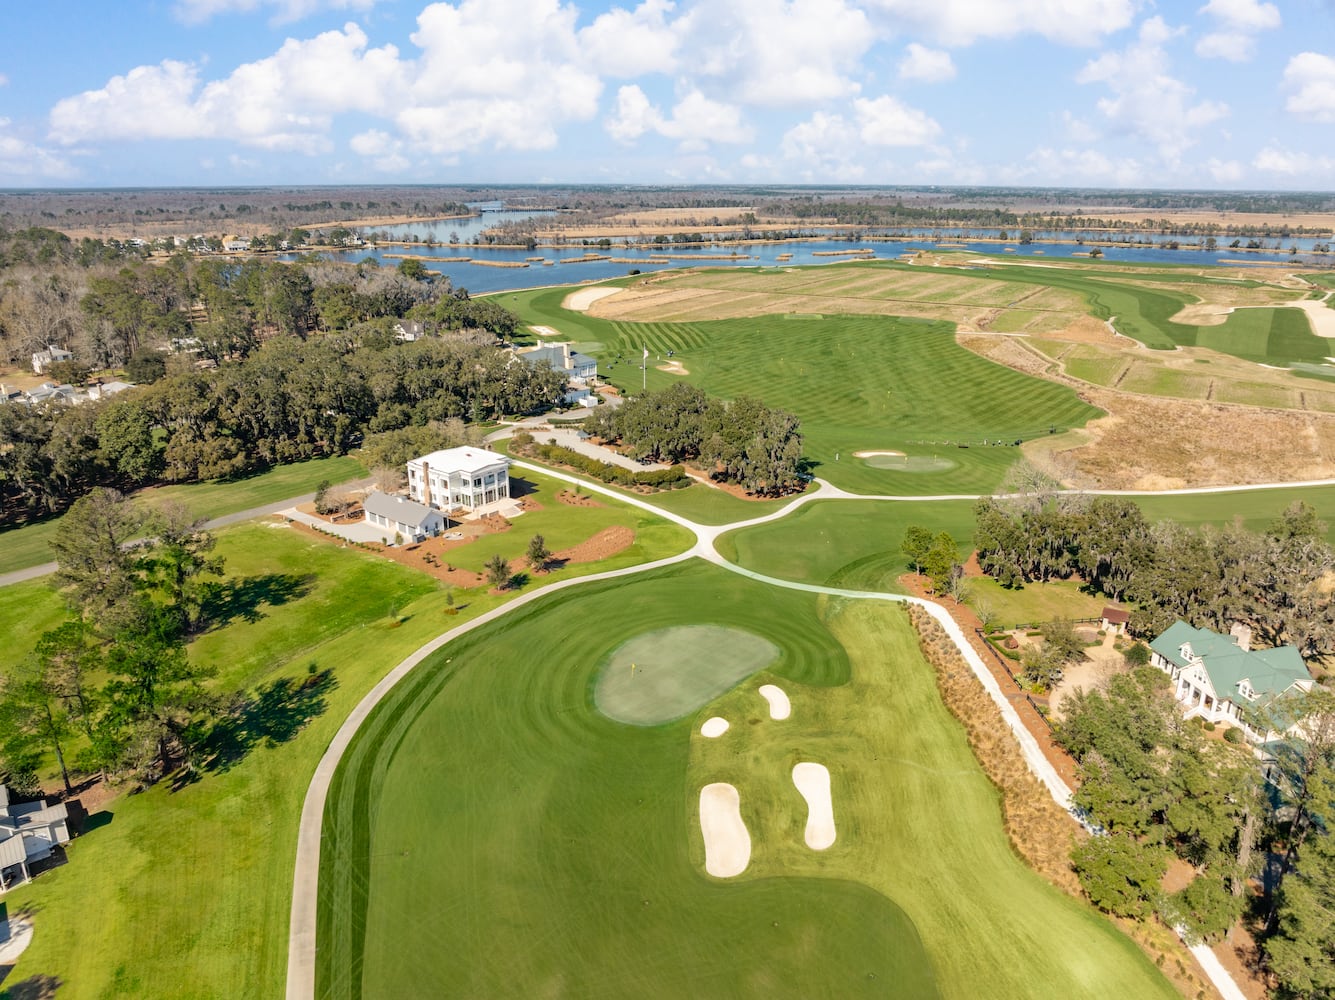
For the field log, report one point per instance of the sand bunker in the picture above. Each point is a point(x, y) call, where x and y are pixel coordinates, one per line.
point(874, 454)
point(674, 367)
point(716, 726)
point(581, 300)
point(813, 781)
point(727, 844)
point(779, 707)
point(546, 331)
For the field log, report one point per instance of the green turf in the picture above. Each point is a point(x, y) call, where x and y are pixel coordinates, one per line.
point(844, 543)
point(30, 545)
point(489, 833)
point(916, 820)
point(186, 893)
point(1035, 602)
point(660, 676)
point(856, 382)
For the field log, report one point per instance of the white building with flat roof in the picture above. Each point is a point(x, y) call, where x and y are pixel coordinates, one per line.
point(459, 478)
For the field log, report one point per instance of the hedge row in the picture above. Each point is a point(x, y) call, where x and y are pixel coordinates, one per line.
point(661, 479)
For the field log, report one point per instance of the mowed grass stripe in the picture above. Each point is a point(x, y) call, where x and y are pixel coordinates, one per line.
point(517, 843)
point(863, 382)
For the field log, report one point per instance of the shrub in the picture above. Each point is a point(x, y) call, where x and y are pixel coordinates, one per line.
point(1138, 655)
point(1233, 735)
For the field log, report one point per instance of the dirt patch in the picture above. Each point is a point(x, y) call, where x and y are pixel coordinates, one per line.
point(603, 545)
point(572, 499)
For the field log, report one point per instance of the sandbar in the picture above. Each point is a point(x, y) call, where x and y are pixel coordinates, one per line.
point(716, 726)
point(727, 844)
point(581, 300)
point(779, 707)
point(813, 781)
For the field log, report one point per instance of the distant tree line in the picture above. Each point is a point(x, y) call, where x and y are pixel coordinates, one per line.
point(742, 441)
point(1274, 580)
point(283, 402)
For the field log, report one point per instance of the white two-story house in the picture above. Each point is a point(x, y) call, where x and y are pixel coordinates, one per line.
point(459, 479)
point(1220, 677)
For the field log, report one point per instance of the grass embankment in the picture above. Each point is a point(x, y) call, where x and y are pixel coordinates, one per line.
point(187, 893)
point(30, 545)
point(491, 833)
point(856, 382)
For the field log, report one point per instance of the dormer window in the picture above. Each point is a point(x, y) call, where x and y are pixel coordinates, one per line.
point(1185, 651)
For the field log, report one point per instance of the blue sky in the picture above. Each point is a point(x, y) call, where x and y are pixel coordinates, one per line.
point(1091, 93)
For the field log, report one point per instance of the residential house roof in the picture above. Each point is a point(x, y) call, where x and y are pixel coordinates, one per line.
point(401, 509)
point(462, 459)
point(1268, 672)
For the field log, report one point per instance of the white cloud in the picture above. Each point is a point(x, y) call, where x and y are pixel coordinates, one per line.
point(1225, 171)
point(1283, 161)
point(1085, 167)
point(382, 149)
point(628, 43)
point(962, 22)
point(1244, 15)
point(824, 147)
point(1146, 101)
point(284, 101)
point(22, 160)
point(4, 80)
point(1239, 21)
point(777, 53)
point(498, 72)
point(695, 122)
point(887, 121)
point(1077, 129)
point(284, 11)
point(1311, 78)
point(929, 65)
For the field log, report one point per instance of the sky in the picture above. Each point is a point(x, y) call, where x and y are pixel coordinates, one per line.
point(1228, 94)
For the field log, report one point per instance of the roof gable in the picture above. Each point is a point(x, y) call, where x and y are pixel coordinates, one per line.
point(399, 508)
point(1268, 672)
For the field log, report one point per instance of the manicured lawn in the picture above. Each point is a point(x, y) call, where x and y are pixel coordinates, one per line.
point(186, 893)
point(845, 543)
point(1256, 508)
point(491, 834)
point(31, 545)
point(856, 382)
point(705, 505)
point(1035, 602)
point(916, 820)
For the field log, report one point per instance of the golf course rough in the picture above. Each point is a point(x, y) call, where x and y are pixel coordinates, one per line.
point(666, 674)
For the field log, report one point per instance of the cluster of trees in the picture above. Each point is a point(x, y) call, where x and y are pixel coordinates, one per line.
point(936, 556)
point(111, 691)
point(1273, 580)
point(1160, 793)
point(1157, 790)
point(743, 442)
point(284, 402)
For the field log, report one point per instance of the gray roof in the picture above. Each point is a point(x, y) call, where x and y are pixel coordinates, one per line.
point(554, 357)
point(401, 509)
point(578, 360)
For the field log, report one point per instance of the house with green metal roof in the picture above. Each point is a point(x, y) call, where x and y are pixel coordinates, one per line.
point(1221, 678)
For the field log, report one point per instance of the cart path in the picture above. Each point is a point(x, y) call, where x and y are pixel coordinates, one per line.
point(302, 929)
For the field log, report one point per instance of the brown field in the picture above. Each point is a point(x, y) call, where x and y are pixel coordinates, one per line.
point(1225, 220)
point(972, 303)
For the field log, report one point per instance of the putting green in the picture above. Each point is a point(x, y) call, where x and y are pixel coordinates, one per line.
point(910, 463)
point(666, 674)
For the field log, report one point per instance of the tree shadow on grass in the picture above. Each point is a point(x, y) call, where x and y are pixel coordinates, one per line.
point(272, 716)
point(243, 598)
point(32, 988)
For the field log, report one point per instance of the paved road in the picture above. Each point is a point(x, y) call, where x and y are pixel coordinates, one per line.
point(45, 569)
point(301, 941)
